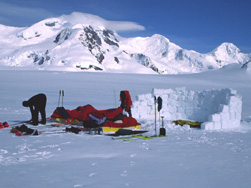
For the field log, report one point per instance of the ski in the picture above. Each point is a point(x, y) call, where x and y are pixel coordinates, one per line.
point(127, 132)
point(23, 134)
point(128, 137)
point(72, 130)
point(53, 122)
point(144, 138)
point(138, 137)
point(19, 123)
point(36, 132)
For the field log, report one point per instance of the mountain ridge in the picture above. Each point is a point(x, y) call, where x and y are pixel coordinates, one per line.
point(81, 41)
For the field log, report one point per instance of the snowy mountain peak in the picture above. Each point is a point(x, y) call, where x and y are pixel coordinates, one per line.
point(227, 48)
point(160, 38)
point(81, 41)
point(229, 53)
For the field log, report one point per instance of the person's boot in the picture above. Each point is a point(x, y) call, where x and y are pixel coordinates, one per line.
point(35, 123)
point(42, 122)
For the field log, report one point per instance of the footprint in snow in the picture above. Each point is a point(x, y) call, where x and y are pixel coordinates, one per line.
point(132, 155)
point(124, 174)
point(92, 174)
point(132, 163)
point(76, 186)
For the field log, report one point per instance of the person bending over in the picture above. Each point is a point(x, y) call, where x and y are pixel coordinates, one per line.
point(37, 105)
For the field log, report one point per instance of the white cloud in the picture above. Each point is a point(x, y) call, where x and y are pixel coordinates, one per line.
point(84, 18)
point(14, 15)
point(124, 26)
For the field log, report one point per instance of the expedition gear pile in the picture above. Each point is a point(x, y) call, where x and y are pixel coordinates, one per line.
point(23, 130)
point(91, 117)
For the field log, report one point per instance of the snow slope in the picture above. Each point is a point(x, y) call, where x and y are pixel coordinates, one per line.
point(186, 158)
point(84, 42)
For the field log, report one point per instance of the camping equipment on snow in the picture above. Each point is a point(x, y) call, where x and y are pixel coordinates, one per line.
point(162, 130)
point(190, 123)
point(159, 107)
point(111, 120)
point(4, 125)
point(23, 130)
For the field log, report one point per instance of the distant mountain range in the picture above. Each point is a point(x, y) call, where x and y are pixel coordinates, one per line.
point(80, 42)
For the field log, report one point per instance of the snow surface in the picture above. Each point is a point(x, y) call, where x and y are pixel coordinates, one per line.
point(186, 158)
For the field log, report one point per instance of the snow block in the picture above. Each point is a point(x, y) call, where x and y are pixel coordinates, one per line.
point(207, 126)
point(214, 117)
point(217, 109)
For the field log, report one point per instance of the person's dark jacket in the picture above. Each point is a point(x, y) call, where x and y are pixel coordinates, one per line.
point(37, 105)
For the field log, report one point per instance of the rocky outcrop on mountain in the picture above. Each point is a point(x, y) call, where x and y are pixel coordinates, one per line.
point(62, 36)
point(145, 61)
point(93, 39)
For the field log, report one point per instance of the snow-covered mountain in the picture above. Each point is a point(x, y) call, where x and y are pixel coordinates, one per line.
point(79, 42)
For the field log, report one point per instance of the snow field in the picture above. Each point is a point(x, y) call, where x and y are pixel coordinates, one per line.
point(217, 109)
point(186, 158)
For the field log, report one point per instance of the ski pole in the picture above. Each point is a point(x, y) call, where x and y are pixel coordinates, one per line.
point(159, 119)
point(155, 114)
point(19, 122)
point(62, 98)
point(59, 97)
point(115, 99)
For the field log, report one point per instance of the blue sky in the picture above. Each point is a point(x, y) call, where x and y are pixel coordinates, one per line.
point(199, 25)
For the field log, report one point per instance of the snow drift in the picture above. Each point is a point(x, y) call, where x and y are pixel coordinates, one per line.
point(84, 42)
point(217, 109)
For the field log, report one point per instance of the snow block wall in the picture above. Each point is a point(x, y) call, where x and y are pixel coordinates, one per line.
point(217, 109)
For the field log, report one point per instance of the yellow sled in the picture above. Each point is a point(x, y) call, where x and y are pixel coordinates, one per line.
point(115, 129)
